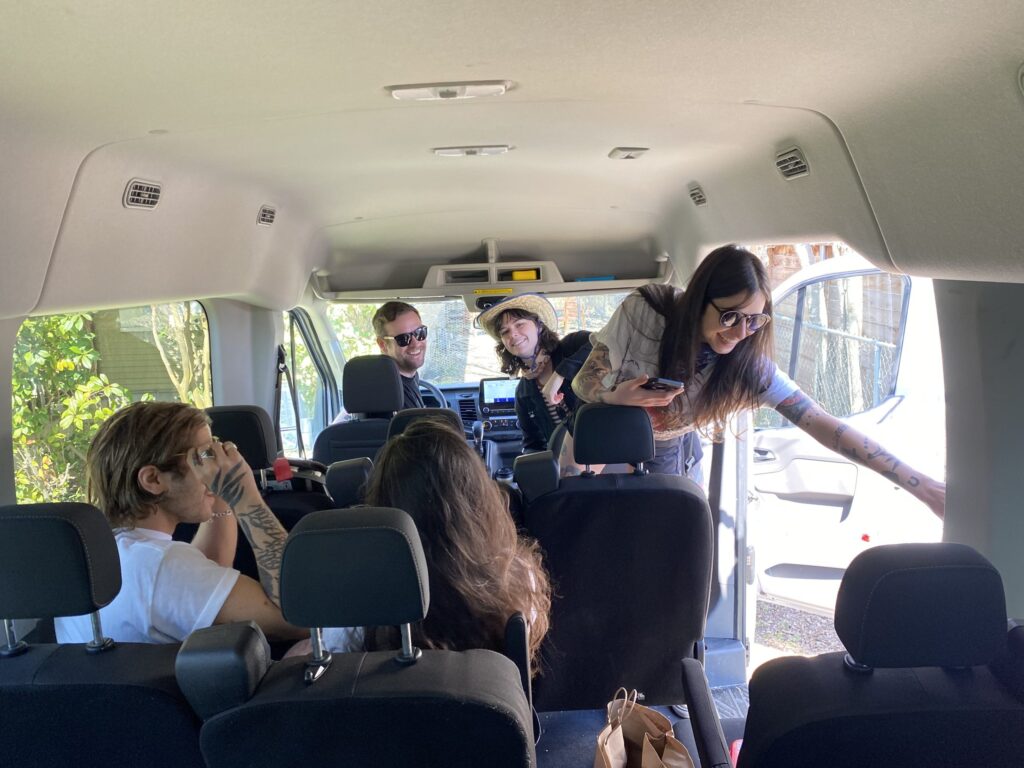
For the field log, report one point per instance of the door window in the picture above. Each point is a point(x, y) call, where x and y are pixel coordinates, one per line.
point(839, 339)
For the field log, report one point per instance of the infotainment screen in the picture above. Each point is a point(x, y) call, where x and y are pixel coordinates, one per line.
point(498, 393)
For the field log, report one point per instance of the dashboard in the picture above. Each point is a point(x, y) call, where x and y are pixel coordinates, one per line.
point(497, 414)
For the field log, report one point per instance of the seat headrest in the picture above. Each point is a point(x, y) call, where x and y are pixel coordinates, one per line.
point(536, 473)
point(612, 434)
point(401, 420)
point(346, 480)
point(921, 605)
point(250, 428)
point(354, 568)
point(372, 384)
point(56, 560)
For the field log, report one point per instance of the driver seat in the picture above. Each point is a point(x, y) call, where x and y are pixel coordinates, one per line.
point(372, 393)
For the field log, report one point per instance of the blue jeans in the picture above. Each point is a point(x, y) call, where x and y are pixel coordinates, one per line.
point(678, 456)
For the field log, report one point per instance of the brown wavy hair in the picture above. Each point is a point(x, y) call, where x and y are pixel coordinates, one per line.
point(481, 570)
point(737, 378)
point(547, 340)
point(157, 433)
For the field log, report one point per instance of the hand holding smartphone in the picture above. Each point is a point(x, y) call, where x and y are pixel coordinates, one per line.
point(658, 384)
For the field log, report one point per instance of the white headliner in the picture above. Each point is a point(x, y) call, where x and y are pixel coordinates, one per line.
point(911, 117)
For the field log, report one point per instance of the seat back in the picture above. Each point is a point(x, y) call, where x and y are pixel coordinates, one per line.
point(405, 417)
point(365, 567)
point(630, 560)
point(926, 680)
point(346, 481)
point(65, 705)
point(372, 392)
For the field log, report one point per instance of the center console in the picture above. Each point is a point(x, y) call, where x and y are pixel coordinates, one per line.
point(497, 400)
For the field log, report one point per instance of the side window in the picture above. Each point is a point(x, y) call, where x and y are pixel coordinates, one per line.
point(302, 411)
point(839, 339)
point(72, 371)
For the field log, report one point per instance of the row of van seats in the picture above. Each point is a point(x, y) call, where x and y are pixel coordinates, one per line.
point(372, 394)
point(121, 704)
point(931, 676)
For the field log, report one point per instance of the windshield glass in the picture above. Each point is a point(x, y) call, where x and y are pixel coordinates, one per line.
point(458, 353)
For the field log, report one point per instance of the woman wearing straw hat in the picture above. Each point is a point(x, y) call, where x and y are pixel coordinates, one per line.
point(529, 347)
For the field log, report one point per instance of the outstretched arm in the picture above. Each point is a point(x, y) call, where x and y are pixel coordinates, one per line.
point(858, 447)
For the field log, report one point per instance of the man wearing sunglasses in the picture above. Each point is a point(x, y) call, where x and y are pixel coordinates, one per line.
point(402, 336)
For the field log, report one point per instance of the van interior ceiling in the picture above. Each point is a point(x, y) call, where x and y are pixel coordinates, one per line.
point(908, 118)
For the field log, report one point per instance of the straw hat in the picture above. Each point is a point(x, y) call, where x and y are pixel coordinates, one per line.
point(527, 302)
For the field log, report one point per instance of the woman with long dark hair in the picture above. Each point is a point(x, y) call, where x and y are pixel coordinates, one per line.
point(716, 339)
point(481, 571)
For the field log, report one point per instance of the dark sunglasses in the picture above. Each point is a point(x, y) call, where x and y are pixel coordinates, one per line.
point(404, 339)
point(730, 318)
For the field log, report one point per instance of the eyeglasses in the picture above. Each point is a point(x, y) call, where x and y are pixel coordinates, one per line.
point(729, 318)
point(405, 339)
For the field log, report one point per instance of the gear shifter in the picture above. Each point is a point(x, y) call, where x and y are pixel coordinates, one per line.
point(478, 438)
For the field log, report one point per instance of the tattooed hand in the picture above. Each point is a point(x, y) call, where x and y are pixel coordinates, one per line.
point(222, 469)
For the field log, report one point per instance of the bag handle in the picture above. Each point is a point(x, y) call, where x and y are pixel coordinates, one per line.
point(628, 704)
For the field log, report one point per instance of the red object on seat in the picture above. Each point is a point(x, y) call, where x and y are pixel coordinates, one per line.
point(734, 750)
point(282, 469)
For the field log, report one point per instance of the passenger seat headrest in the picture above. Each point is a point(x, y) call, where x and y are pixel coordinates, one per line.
point(921, 605)
point(372, 384)
point(354, 568)
point(56, 560)
point(612, 434)
point(535, 474)
point(404, 418)
point(346, 481)
point(250, 428)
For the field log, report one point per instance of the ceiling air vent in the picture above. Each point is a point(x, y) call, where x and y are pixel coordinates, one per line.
point(141, 194)
point(267, 215)
point(698, 196)
point(792, 164)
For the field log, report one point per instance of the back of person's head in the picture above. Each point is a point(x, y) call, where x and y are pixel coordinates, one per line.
point(140, 434)
point(387, 312)
point(481, 572)
point(739, 376)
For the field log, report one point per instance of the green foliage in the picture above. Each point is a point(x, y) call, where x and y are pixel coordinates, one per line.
point(59, 400)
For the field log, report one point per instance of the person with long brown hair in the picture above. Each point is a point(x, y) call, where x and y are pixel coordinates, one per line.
point(481, 571)
point(715, 338)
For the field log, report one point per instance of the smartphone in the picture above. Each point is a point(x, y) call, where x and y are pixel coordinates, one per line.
point(662, 385)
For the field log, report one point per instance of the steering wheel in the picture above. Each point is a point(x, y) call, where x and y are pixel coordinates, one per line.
point(435, 393)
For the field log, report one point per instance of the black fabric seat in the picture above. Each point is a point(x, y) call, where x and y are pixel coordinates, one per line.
point(929, 678)
point(372, 392)
point(365, 567)
point(630, 559)
point(61, 704)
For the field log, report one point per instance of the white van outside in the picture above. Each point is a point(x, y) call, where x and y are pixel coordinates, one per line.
point(865, 344)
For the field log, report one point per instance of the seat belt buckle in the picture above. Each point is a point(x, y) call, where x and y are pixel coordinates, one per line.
point(282, 469)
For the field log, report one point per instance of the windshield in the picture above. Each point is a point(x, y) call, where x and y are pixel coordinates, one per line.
point(458, 353)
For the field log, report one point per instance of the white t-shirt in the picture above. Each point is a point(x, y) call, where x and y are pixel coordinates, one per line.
point(633, 338)
point(168, 589)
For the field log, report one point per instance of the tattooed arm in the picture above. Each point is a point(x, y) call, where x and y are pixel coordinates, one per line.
point(229, 477)
point(858, 447)
point(588, 385)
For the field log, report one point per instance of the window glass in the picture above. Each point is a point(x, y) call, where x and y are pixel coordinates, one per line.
point(847, 341)
point(458, 352)
point(72, 371)
point(308, 388)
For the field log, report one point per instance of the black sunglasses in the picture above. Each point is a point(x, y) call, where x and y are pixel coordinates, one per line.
point(404, 339)
point(729, 318)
